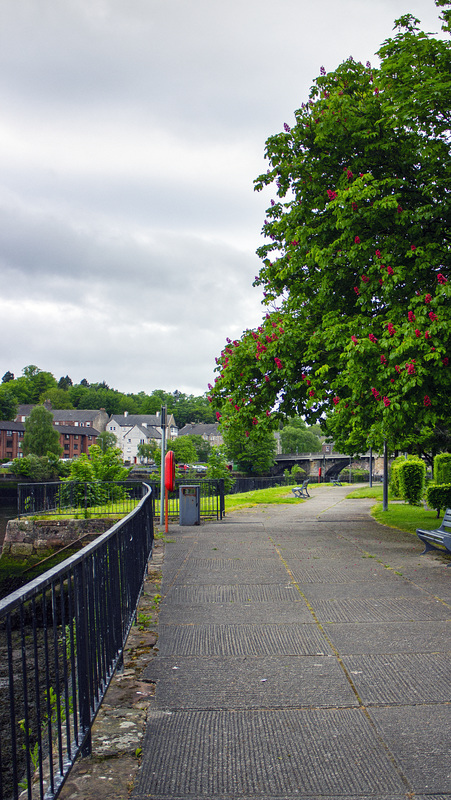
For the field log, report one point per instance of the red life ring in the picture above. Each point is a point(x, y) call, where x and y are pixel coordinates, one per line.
point(169, 471)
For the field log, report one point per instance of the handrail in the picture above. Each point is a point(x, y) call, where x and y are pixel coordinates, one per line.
point(61, 638)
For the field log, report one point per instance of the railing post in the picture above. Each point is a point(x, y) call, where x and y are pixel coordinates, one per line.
point(83, 658)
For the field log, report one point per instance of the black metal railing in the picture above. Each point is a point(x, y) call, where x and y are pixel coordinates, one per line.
point(79, 499)
point(212, 503)
point(61, 639)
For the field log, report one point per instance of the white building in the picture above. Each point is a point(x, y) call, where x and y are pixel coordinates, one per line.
point(131, 430)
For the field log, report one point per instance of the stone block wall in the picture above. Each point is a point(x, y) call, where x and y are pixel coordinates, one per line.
point(28, 537)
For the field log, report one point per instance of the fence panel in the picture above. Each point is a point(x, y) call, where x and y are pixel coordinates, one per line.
point(75, 498)
point(61, 639)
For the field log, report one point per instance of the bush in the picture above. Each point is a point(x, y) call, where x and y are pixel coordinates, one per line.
point(412, 475)
point(394, 476)
point(439, 496)
point(442, 468)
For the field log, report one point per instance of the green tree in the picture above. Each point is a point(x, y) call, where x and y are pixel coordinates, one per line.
point(8, 403)
point(40, 437)
point(99, 466)
point(65, 383)
point(59, 398)
point(254, 452)
point(8, 376)
point(295, 437)
point(355, 267)
point(202, 446)
point(183, 449)
point(106, 440)
point(217, 467)
point(147, 450)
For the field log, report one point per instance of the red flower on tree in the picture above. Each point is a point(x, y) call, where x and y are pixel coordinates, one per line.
point(372, 337)
point(411, 316)
point(427, 401)
point(386, 402)
point(433, 317)
point(441, 278)
point(428, 298)
point(357, 240)
point(391, 329)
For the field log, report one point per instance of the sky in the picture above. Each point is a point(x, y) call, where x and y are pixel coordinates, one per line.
point(131, 132)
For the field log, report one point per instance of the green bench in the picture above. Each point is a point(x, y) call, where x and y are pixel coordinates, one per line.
point(301, 491)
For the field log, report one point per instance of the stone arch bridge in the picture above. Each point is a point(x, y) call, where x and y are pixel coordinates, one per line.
point(331, 464)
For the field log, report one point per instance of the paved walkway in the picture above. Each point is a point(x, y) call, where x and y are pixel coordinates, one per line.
point(304, 652)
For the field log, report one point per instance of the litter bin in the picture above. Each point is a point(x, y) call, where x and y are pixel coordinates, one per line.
point(189, 505)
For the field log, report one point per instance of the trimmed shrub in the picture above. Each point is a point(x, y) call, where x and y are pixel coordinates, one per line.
point(411, 476)
point(442, 468)
point(395, 487)
point(439, 496)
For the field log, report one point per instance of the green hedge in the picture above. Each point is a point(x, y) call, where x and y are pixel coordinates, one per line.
point(442, 468)
point(439, 496)
point(411, 476)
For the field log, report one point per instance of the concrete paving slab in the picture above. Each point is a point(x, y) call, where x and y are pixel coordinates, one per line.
point(419, 738)
point(249, 682)
point(234, 594)
point(380, 609)
point(392, 637)
point(238, 640)
point(401, 678)
point(266, 754)
point(231, 612)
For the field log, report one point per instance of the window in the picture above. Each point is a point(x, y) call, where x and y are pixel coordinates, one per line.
point(66, 447)
point(9, 433)
point(9, 442)
point(76, 436)
point(75, 446)
point(67, 435)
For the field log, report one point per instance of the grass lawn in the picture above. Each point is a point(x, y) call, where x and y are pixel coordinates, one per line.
point(398, 514)
point(276, 494)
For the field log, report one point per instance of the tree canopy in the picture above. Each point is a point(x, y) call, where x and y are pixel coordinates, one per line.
point(356, 259)
point(40, 437)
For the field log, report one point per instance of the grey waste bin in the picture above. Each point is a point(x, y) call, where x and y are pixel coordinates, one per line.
point(189, 505)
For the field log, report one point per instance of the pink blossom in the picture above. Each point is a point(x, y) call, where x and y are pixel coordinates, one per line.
point(349, 175)
point(433, 317)
point(356, 289)
point(412, 247)
point(237, 407)
point(268, 413)
point(278, 363)
point(254, 420)
point(372, 337)
point(441, 278)
point(427, 401)
point(417, 333)
point(354, 339)
point(357, 240)
point(428, 298)
point(336, 400)
point(354, 206)
point(365, 278)
point(331, 194)
point(397, 368)
point(445, 361)
point(218, 415)
point(266, 379)
point(378, 254)
point(411, 316)
point(390, 270)
point(311, 393)
point(391, 329)
point(410, 367)
point(375, 393)
point(383, 360)
point(426, 335)
point(399, 210)
point(386, 402)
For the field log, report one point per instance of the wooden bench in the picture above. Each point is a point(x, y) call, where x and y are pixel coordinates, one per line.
point(301, 491)
point(337, 482)
point(440, 538)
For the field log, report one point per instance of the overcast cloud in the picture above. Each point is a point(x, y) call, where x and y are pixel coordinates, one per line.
point(130, 135)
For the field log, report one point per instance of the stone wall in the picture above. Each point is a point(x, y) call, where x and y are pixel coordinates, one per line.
point(26, 536)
